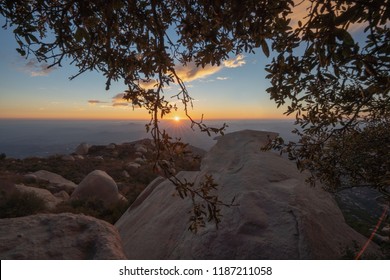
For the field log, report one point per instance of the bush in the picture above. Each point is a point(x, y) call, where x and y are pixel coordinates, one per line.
point(20, 204)
point(94, 208)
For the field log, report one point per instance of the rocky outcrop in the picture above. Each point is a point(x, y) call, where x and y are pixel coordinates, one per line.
point(59, 237)
point(278, 215)
point(98, 185)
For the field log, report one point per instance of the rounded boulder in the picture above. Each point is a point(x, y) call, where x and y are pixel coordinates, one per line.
point(97, 185)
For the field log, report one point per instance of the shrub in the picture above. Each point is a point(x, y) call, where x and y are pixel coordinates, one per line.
point(94, 208)
point(20, 204)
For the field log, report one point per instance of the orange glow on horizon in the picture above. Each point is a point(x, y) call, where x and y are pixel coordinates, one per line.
point(96, 113)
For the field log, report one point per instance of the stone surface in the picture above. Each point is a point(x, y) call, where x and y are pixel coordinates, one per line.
point(133, 165)
point(50, 200)
point(98, 185)
point(278, 217)
point(140, 160)
point(67, 158)
point(60, 237)
point(62, 195)
point(111, 146)
point(82, 149)
point(386, 229)
point(56, 181)
point(141, 149)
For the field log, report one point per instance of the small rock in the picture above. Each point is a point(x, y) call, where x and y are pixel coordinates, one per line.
point(30, 178)
point(141, 149)
point(138, 154)
point(82, 149)
point(79, 157)
point(133, 165)
point(140, 160)
point(67, 158)
point(125, 174)
point(111, 146)
point(63, 195)
point(386, 229)
point(99, 158)
point(380, 239)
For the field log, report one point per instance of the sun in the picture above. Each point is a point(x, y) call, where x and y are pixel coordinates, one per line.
point(176, 118)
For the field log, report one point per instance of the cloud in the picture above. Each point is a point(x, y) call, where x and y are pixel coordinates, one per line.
point(37, 69)
point(301, 10)
point(238, 61)
point(118, 98)
point(120, 104)
point(94, 101)
point(222, 78)
point(119, 101)
point(190, 72)
point(116, 101)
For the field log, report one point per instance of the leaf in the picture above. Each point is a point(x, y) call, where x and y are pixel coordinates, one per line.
point(343, 35)
point(265, 48)
point(33, 38)
point(21, 51)
point(80, 34)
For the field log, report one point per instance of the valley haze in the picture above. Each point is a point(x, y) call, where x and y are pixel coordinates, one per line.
point(21, 138)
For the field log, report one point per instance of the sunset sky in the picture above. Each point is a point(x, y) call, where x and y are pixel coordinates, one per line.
point(234, 90)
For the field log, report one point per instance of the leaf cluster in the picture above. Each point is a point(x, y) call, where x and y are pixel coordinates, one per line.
point(205, 202)
point(338, 89)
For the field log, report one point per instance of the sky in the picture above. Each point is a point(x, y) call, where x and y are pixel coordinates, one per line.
point(234, 90)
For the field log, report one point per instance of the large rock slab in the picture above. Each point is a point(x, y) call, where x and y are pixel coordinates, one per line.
point(59, 237)
point(278, 217)
point(57, 182)
point(98, 185)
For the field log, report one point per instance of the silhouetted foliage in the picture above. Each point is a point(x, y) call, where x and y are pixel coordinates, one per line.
point(338, 90)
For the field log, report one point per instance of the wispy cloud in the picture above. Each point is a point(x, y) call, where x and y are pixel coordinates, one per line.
point(120, 104)
point(190, 72)
point(94, 101)
point(222, 78)
point(116, 101)
point(37, 69)
point(238, 61)
point(118, 98)
point(119, 101)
